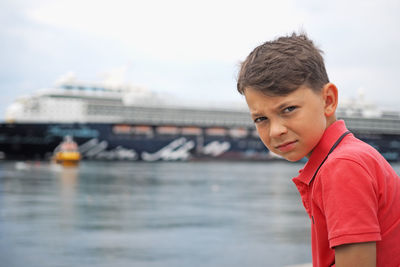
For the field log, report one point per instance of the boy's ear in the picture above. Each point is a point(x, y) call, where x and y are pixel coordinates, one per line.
point(330, 96)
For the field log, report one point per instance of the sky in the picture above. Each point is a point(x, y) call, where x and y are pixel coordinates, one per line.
point(193, 49)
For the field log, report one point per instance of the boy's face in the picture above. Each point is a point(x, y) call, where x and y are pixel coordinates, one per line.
point(290, 126)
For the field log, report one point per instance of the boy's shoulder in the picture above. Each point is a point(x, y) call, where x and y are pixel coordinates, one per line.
point(354, 149)
point(354, 153)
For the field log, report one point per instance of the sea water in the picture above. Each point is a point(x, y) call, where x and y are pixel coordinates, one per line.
point(152, 214)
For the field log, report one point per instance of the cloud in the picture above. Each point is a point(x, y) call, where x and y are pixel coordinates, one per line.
point(183, 30)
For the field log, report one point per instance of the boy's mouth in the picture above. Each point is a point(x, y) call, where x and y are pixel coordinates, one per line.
point(285, 147)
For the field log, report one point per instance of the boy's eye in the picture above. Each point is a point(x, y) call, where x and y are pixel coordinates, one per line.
point(289, 109)
point(259, 119)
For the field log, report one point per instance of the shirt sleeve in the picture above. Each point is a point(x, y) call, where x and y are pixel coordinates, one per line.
point(349, 202)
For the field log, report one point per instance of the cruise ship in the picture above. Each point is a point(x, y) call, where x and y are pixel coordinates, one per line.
point(126, 122)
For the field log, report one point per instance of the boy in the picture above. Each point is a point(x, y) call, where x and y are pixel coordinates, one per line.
point(349, 190)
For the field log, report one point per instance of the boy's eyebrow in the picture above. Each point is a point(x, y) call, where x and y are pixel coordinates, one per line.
point(279, 107)
point(255, 114)
point(284, 104)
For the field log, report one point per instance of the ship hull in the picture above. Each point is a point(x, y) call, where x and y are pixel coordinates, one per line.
point(130, 142)
point(25, 141)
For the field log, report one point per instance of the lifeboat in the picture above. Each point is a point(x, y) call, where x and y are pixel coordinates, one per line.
point(67, 153)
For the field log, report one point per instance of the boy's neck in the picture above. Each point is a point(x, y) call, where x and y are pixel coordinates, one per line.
point(330, 120)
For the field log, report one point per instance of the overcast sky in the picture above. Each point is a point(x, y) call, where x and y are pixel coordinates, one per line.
point(193, 48)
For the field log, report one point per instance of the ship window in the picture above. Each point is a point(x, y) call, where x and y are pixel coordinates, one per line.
point(191, 131)
point(216, 131)
point(238, 132)
point(142, 130)
point(171, 130)
point(122, 129)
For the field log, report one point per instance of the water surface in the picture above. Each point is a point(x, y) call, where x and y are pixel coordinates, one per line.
point(152, 214)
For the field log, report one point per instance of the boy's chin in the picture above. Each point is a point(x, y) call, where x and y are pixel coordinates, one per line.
point(293, 158)
point(288, 157)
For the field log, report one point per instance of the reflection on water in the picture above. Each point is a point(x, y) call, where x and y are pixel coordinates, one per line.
point(158, 214)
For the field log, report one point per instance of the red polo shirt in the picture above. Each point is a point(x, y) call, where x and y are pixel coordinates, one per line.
point(355, 197)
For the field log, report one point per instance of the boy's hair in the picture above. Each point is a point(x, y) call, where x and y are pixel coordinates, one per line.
point(281, 66)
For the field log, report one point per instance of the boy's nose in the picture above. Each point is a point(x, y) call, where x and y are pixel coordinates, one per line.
point(277, 129)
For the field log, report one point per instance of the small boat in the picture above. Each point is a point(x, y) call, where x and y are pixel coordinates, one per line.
point(67, 153)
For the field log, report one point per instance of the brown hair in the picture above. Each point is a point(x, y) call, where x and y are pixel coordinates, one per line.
point(281, 66)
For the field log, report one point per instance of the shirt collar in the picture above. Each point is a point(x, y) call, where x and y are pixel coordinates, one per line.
point(328, 139)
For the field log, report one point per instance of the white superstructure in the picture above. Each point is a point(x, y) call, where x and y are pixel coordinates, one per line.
point(71, 101)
